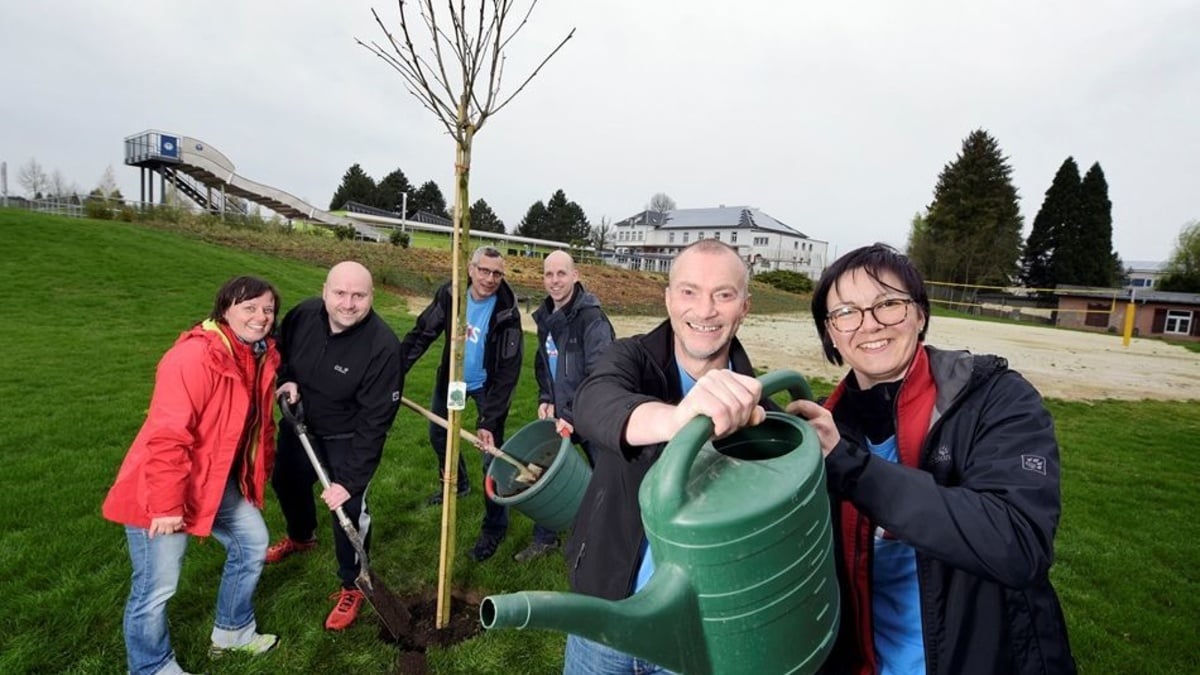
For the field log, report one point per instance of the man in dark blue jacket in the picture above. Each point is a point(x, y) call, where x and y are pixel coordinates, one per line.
point(491, 363)
point(343, 361)
point(572, 333)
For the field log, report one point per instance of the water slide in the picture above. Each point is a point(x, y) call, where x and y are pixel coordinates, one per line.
point(168, 153)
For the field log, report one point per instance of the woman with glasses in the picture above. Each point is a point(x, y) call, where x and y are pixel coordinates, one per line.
point(943, 473)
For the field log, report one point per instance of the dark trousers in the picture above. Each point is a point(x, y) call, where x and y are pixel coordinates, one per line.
point(293, 481)
point(495, 516)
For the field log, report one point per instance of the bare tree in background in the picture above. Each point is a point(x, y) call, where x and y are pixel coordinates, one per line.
point(108, 183)
point(602, 235)
point(456, 74)
point(58, 186)
point(661, 203)
point(33, 178)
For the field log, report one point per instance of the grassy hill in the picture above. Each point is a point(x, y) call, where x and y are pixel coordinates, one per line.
point(417, 271)
point(89, 307)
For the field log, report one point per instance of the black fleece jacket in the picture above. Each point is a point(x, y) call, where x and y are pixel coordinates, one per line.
point(350, 384)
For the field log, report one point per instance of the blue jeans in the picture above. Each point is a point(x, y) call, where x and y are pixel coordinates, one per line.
point(156, 563)
point(584, 657)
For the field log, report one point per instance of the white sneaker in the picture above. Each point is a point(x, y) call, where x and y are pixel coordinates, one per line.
point(261, 643)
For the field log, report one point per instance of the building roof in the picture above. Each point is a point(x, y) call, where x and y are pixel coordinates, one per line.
point(1146, 266)
point(714, 217)
point(1123, 294)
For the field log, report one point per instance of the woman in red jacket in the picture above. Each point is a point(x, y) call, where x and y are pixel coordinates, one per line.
point(199, 466)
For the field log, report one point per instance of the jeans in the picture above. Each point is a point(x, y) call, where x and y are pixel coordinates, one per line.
point(584, 657)
point(156, 563)
point(495, 516)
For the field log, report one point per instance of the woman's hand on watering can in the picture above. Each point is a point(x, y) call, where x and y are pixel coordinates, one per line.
point(821, 420)
point(545, 411)
point(730, 400)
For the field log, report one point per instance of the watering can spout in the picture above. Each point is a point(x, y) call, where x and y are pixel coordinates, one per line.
point(661, 623)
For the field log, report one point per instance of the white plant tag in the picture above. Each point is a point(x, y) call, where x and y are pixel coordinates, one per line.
point(456, 397)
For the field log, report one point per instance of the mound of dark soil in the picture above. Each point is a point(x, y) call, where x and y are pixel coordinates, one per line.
point(422, 633)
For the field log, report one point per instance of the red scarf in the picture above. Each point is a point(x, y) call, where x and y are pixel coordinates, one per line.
point(914, 409)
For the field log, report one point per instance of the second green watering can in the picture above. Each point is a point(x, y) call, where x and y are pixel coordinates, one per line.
point(744, 580)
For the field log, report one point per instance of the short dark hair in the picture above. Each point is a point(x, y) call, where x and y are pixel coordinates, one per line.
point(241, 289)
point(875, 260)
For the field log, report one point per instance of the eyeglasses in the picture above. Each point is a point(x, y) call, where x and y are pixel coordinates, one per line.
point(886, 312)
point(489, 272)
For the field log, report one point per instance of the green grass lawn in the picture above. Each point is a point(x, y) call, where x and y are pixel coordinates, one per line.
point(89, 307)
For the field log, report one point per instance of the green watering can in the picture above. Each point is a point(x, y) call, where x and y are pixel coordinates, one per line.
point(744, 579)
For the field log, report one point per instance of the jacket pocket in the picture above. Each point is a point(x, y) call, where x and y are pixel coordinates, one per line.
point(510, 344)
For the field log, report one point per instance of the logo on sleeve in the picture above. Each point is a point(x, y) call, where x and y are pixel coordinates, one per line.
point(1034, 463)
point(341, 369)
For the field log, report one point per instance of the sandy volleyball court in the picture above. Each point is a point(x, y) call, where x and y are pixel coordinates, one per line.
point(1061, 364)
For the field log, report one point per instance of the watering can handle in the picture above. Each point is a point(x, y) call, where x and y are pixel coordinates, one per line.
point(676, 459)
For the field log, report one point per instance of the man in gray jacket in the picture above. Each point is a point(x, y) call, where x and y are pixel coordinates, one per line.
point(572, 333)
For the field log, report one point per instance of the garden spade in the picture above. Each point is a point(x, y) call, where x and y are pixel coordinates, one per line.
point(390, 609)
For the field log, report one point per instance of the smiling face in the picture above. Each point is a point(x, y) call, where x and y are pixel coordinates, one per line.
point(252, 320)
point(706, 302)
point(348, 293)
point(559, 276)
point(874, 352)
point(486, 274)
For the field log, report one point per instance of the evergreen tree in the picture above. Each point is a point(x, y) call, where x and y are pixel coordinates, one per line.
point(974, 221)
point(484, 219)
point(428, 198)
point(568, 223)
point(356, 186)
point(559, 219)
point(536, 222)
point(1051, 239)
point(1098, 263)
point(391, 190)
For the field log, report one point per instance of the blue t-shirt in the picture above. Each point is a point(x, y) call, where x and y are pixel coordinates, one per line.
point(479, 316)
point(646, 567)
point(896, 598)
point(552, 356)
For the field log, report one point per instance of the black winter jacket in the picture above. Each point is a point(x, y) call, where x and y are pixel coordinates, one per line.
point(581, 333)
point(602, 552)
point(350, 384)
point(980, 507)
point(501, 353)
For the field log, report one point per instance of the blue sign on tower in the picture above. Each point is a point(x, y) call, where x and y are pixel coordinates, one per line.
point(168, 146)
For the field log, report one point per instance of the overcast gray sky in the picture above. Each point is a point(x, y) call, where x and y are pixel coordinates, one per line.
point(833, 117)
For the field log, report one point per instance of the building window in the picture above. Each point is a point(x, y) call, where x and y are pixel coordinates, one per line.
point(795, 245)
point(671, 238)
point(1179, 322)
point(717, 236)
point(760, 241)
point(685, 237)
point(733, 237)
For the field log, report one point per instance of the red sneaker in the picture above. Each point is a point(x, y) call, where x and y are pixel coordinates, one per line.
point(286, 547)
point(349, 600)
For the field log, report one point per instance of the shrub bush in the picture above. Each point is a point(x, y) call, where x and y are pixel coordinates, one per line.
point(400, 239)
point(786, 280)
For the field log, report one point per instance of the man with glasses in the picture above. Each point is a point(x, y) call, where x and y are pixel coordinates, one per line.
point(492, 347)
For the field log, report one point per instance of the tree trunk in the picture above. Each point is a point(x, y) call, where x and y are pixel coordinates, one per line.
point(460, 260)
